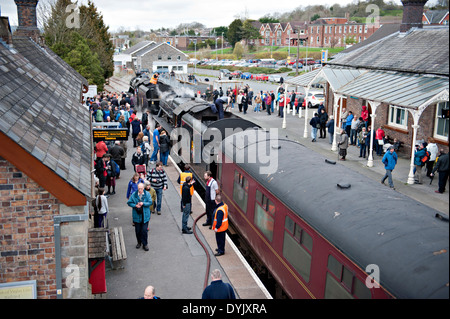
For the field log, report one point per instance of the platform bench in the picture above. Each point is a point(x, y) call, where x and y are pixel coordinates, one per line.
point(118, 250)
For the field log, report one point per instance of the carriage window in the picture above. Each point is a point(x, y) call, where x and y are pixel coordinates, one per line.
point(240, 191)
point(297, 248)
point(264, 214)
point(341, 283)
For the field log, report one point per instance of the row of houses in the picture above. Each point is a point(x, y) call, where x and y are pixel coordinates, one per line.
point(330, 32)
point(401, 75)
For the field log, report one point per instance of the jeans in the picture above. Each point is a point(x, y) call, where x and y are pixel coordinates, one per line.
point(388, 175)
point(159, 195)
point(154, 156)
point(362, 150)
point(141, 233)
point(314, 133)
point(185, 217)
point(164, 157)
point(352, 136)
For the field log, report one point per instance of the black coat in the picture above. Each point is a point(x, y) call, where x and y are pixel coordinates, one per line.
point(164, 143)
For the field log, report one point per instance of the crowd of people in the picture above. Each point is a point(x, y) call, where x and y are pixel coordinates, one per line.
point(245, 98)
point(146, 187)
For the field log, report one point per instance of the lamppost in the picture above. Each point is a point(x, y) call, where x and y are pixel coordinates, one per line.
point(195, 55)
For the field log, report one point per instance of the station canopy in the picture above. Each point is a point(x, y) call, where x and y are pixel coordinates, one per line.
point(403, 89)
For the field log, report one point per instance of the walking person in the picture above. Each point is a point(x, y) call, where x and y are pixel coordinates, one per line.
point(186, 199)
point(154, 156)
point(164, 145)
point(148, 187)
point(418, 155)
point(212, 189)
point(323, 116)
point(111, 172)
point(136, 129)
point(158, 179)
point(343, 144)
point(442, 168)
point(140, 203)
point(362, 137)
point(330, 126)
point(434, 150)
point(389, 160)
point(218, 289)
point(315, 125)
point(220, 224)
point(101, 205)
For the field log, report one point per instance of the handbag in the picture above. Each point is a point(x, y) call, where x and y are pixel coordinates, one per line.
point(380, 142)
point(140, 210)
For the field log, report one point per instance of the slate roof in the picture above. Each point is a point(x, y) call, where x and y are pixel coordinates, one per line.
point(52, 65)
point(418, 51)
point(42, 116)
point(137, 47)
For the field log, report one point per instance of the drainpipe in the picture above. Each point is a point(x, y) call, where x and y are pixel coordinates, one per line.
point(57, 220)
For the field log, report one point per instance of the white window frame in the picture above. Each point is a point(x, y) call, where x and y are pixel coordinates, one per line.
point(438, 119)
point(394, 108)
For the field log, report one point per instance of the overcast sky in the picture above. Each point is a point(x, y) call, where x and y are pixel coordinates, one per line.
point(154, 14)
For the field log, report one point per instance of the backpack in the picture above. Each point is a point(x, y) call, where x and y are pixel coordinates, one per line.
point(425, 158)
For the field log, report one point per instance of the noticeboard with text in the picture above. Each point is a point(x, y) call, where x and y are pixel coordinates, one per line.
point(18, 290)
point(109, 134)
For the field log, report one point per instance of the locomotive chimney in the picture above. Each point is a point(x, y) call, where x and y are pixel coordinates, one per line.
point(26, 12)
point(412, 14)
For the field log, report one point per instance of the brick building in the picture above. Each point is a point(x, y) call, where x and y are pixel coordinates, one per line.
point(45, 169)
point(407, 99)
point(323, 32)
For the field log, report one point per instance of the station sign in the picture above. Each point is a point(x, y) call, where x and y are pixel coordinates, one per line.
point(110, 134)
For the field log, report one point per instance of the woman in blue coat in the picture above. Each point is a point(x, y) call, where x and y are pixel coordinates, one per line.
point(389, 160)
point(140, 202)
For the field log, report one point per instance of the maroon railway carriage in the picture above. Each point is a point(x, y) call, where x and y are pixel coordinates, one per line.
point(319, 227)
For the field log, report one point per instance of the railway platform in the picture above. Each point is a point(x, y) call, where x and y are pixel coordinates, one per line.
point(176, 263)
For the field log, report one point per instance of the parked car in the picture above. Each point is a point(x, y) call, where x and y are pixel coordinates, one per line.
point(260, 77)
point(274, 78)
point(315, 98)
point(236, 74)
point(246, 76)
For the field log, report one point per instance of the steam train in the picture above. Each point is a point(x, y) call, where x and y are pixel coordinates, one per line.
point(180, 111)
point(321, 229)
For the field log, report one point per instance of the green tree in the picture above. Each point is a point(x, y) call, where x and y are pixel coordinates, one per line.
point(234, 32)
point(92, 32)
point(82, 59)
point(249, 32)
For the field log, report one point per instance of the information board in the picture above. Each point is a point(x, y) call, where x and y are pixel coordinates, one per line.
point(109, 134)
point(18, 290)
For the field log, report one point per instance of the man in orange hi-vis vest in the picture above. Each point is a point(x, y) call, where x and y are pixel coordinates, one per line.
point(154, 78)
point(220, 224)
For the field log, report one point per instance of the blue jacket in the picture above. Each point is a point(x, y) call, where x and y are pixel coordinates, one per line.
point(389, 160)
point(418, 156)
point(147, 200)
point(349, 120)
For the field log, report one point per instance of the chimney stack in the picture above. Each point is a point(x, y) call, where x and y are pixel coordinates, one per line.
point(26, 12)
point(412, 14)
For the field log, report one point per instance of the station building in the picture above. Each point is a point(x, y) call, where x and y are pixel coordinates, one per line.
point(46, 159)
point(402, 77)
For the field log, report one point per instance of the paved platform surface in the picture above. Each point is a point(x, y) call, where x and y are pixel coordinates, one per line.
point(176, 263)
